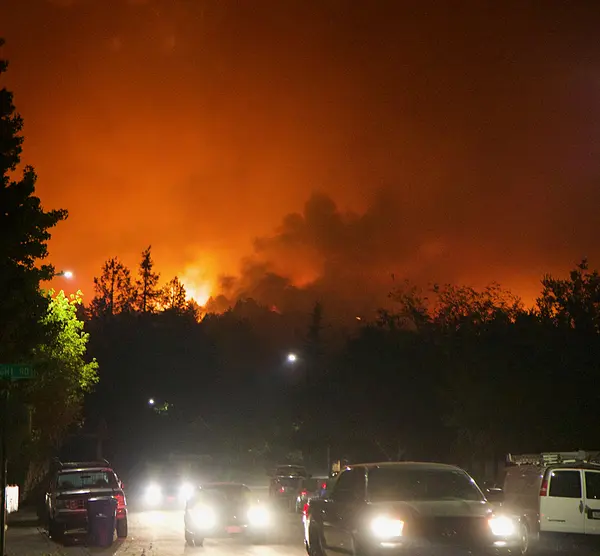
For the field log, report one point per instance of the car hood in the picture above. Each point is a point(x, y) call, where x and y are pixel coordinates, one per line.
point(434, 508)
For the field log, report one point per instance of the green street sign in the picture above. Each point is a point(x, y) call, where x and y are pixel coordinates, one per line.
point(16, 372)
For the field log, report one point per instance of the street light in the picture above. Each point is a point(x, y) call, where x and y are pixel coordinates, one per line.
point(292, 358)
point(65, 274)
point(151, 401)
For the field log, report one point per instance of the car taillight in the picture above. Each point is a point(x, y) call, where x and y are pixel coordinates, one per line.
point(544, 488)
point(324, 486)
point(120, 501)
point(305, 510)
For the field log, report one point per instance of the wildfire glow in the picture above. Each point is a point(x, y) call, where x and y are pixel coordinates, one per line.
point(200, 293)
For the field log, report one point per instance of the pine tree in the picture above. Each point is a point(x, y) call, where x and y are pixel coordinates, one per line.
point(114, 291)
point(174, 296)
point(24, 233)
point(148, 294)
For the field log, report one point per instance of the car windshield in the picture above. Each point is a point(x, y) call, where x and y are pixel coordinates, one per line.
point(229, 494)
point(389, 484)
point(80, 480)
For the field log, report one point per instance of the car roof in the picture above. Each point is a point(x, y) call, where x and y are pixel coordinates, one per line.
point(84, 468)
point(407, 465)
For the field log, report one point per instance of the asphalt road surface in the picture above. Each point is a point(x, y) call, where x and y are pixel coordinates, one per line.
point(159, 533)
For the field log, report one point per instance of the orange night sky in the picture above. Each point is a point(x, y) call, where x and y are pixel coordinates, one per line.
point(336, 141)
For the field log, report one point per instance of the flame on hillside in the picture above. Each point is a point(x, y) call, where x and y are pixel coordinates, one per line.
point(197, 285)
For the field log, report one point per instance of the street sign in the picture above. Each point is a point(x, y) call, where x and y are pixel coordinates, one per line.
point(16, 372)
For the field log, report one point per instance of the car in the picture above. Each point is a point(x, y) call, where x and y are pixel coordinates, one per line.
point(167, 491)
point(284, 490)
point(556, 493)
point(311, 488)
point(71, 486)
point(218, 510)
point(396, 508)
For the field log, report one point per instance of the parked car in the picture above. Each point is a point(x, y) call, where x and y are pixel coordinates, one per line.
point(555, 493)
point(393, 508)
point(223, 510)
point(70, 488)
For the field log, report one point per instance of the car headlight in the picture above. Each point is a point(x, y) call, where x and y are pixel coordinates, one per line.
point(153, 495)
point(386, 527)
point(203, 517)
point(503, 526)
point(186, 491)
point(259, 516)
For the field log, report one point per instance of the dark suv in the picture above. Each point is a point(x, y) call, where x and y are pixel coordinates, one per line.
point(72, 485)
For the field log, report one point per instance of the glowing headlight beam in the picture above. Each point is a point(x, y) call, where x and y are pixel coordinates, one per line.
point(204, 517)
point(258, 516)
point(503, 526)
point(186, 491)
point(386, 527)
point(153, 495)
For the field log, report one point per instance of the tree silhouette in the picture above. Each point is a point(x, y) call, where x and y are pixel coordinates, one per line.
point(114, 291)
point(24, 232)
point(573, 302)
point(174, 296)
point(148, 294)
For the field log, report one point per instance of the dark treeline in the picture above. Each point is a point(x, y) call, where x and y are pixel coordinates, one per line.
point(451, 373)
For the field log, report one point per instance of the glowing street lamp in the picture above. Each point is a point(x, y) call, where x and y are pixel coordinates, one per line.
point(151, 401)
point(65, 274)
point(292, 358)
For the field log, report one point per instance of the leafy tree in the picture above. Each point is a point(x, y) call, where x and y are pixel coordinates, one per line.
point(114, 291)
point(64, 375)
point(174, 296)
point(572, 302)
point(24, 233)
point(148, 293)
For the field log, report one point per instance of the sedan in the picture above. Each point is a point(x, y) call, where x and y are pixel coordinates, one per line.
point(219, 510)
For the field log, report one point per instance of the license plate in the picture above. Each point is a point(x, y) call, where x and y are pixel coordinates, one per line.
point(595, 514)
point(234, 529)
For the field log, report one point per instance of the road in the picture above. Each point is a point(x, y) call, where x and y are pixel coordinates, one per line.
point(158, 533)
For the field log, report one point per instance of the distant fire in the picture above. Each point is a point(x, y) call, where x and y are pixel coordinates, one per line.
point(200, 293)
point(197, 284)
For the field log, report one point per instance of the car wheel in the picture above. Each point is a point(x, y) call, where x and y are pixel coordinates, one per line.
point(524, 547)
point(315, 546)
point(524, 537)
point(122, 528)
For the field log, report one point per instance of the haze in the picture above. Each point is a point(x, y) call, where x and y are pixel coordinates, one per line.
point(326, 144)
